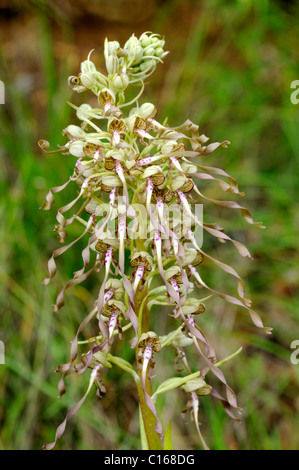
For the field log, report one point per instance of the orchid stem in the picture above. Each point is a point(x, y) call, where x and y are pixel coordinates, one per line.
point(148, 418)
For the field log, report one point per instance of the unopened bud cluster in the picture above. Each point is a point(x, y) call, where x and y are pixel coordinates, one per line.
point(132, 63)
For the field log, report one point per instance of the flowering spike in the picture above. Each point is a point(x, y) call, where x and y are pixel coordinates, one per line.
point(132, 172)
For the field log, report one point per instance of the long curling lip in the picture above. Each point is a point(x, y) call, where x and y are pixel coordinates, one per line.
point(160, 207)
point(156, 123)
point(120, 172)
point(108, 295)
point(149, 193)
point(175, 245)
point(138, 276)
point(112, 323)
point(146, 358)
point(175, 286)
point(116, 137)
point(176, 164)
point(143, 134)
point(191, 320)
point(121, 235)
point(112, 197)
point(108, 257)
point(148, 160)
point(170, 289)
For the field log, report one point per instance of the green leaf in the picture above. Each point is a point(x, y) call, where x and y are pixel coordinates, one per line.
point(167, 438)
point(123, 364)
point(174, 382)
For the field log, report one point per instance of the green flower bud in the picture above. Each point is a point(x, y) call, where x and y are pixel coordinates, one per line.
point(109, 182)
point(132, 43)
point(178, 182)
point(155, 40)
point(74, 132)
point(197, 385)
point(147, 65)
point(111, 47)
point(89, 172)
point(193, 257)
point(82, 111)
point(159, 52)
point(117, 286)
point(112, 64)
point(188, 168)
point(168, 147)
point(88, 80)
point(150, 51)
point(147, 111)
point(173, 272)
point(97, 358)
point(115, 155)
point(120, 82)
point(181, 341)
point(135, 50)
point(193, 306)
point(77, 148)
point(145, 40)
point(138, 53)
point(88, 66)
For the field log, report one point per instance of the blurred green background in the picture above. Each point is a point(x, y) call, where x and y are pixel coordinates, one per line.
point(230, 70)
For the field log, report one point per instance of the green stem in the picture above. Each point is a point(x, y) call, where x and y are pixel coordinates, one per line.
point(148, 418)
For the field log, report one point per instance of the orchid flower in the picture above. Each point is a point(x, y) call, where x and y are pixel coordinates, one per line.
point(127, 164)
